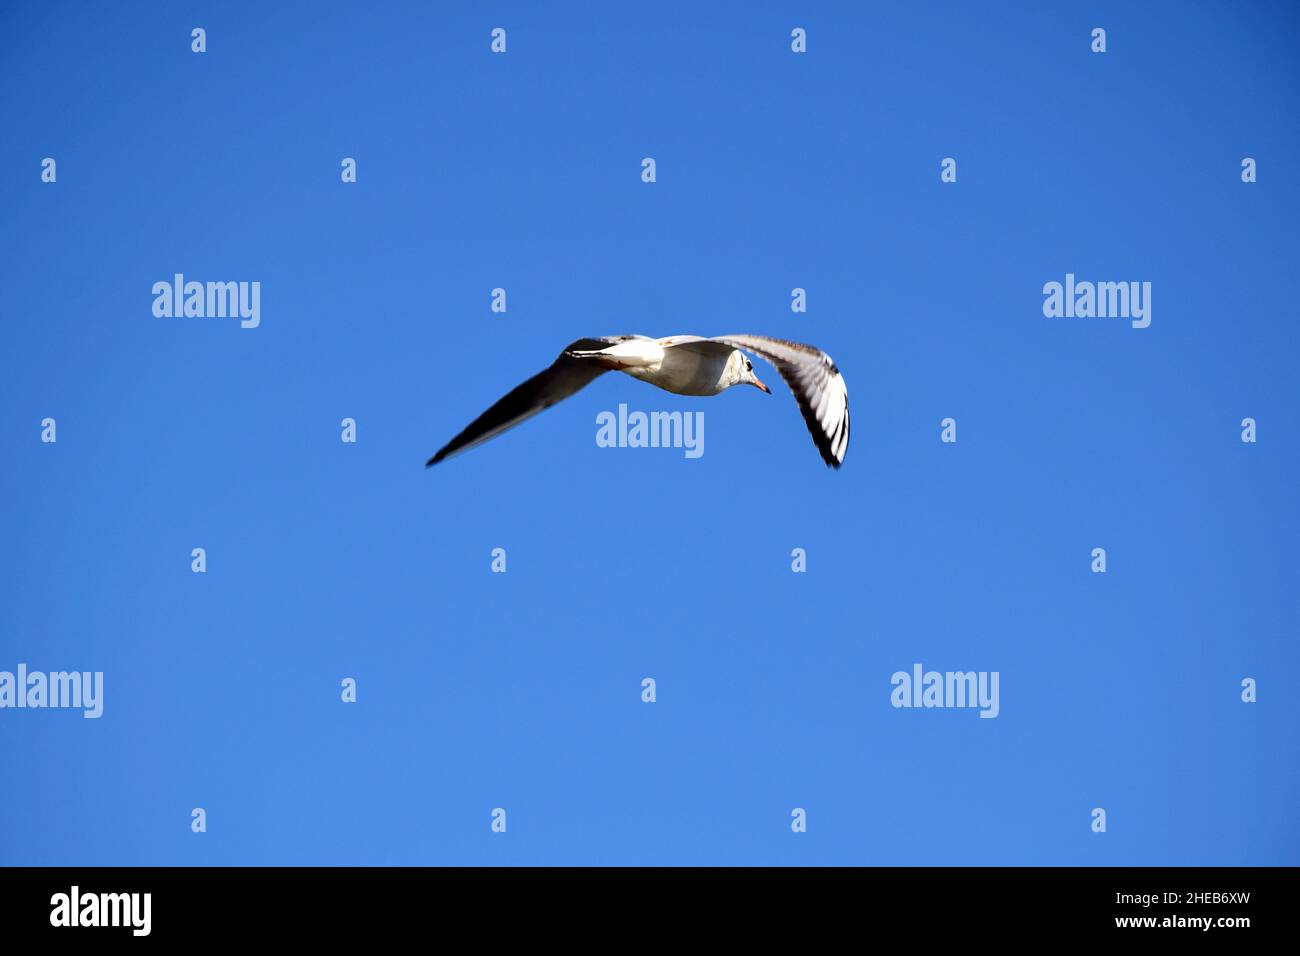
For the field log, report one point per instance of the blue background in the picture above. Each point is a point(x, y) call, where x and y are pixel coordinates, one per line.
point(522, 690)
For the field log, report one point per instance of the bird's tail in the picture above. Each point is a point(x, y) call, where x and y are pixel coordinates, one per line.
point(621, 355)
point(601, 358)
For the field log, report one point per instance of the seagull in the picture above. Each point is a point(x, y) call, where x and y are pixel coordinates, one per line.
point(684, 365)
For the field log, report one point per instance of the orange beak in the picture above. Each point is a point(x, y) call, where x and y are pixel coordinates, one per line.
point(757, 384)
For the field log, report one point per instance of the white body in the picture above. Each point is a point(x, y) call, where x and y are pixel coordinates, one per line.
point(685, 364)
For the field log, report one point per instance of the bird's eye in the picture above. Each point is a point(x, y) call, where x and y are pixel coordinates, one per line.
point(748, 367)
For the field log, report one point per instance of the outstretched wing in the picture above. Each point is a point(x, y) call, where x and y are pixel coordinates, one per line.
point(817, 384)
point(566, 376)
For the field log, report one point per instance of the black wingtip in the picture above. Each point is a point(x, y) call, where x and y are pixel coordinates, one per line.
point(432, 461)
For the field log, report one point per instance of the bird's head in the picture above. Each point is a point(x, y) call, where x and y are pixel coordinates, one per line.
point(742, 372)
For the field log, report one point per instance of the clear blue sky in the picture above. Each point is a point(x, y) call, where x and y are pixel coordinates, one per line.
point(523, 690)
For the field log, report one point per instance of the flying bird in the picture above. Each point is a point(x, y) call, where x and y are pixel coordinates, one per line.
point(684, 365)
